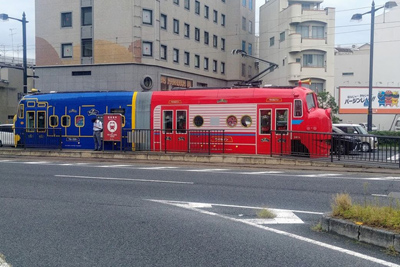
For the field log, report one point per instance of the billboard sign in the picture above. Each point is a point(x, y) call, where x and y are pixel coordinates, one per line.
point(112, 127)
point(354, 100)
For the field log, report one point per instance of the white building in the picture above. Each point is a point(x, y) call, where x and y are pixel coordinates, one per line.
point(352, 75)
point(298, 36)
point(142, 45)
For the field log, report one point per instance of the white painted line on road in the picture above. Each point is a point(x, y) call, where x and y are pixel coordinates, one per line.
point(378, 195)
point(5, 160)
point(255, 173)
point(156, 168)
point(114, 166)
point(122, 179)
point(207, 170)
point(319, 175)
point(37, 162)
point(294, 236)
point(383, 178)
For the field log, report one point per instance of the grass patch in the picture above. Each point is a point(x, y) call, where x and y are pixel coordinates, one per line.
point(317, 227)
point(369, 213)
point(265, 213)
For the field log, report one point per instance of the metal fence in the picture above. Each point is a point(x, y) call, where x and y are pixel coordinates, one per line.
point(367, 149)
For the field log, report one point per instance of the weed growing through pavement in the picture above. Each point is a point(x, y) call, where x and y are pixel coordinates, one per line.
point(265, 213)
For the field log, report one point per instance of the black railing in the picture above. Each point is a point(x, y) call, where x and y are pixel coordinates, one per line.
point(39, 138)
point(173, 140)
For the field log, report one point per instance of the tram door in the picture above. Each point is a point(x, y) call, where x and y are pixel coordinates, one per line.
point(273, 124)
point(174, 134)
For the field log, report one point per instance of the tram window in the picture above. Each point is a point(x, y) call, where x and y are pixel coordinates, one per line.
point(298, 110)
point(30, 122)
point(79, 121)
point(181, 121)
point(168, 121)
point(41, 121)
point(30, 104)
point(65, 121)
point(246, 121)
point(281, 119)
point(310, 101)
point(231, 121)
point(53, 121)
point(21, 111)
point(41, 105)
point(198, 121)
point(265, 121)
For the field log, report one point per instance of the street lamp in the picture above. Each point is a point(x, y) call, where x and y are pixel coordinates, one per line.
point(389, 4)
point(24, 22)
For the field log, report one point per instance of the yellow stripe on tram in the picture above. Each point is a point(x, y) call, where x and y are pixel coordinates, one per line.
point(133, 119)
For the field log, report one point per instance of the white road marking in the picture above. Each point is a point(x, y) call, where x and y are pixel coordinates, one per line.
point(156, 168)
point(294, 236)
point(37, 162)
point(122, 179)
point(378, 195)
point(267, 172)
point(114, 166)
point(319, 175)
point(5, 160)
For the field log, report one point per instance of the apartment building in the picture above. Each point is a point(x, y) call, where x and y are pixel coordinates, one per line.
point(142, 45)
point(298, 35)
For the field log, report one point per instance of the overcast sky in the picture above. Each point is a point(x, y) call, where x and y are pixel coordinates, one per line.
point(347, 32)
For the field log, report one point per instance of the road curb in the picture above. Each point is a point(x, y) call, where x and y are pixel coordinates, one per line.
point(362, 233)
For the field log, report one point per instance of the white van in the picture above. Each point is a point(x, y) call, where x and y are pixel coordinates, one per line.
point(368, 143)
point(6, 135)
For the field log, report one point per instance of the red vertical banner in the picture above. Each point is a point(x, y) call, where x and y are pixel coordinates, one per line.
point(112, 127)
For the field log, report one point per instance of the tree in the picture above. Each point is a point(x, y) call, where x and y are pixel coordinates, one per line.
point(326, 100)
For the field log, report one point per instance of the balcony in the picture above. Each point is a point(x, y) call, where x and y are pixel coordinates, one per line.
point(296, 14)
point(297, 71)
point(297, 44)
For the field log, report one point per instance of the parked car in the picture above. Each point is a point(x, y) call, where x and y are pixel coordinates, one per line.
point(397, 125)
point(6, 135)
point(365, 125)
point(343, 143)
point(368, 142)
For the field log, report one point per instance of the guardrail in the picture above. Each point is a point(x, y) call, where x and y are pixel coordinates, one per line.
point(370, 149)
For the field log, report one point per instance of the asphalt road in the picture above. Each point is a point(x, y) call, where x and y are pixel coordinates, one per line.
point(56, 212)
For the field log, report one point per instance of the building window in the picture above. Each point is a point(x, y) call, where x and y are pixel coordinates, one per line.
point(317, 87)
point(348, 74)
point(176, 26)
point(206, 39)
point(163, 52)
point(249, 71)
point(176, 55)
point(313, 60)
point(251, 4)
point(303, 30)
point(215, 16)
point(176, 2)
point(317, 32)
point(243, 23)
point(215, 41)
point(222, 20)
point(282, 36)
point(147, 49)
point(86, 16)
point(271, 41)
point(197, 34)
point(87, 48)
point(187, 4)
point(206, 63)
point(196, 61)
point(244, 3)
point(250, 26)
point(66, 19)
point(197, 7)
point(215, 66)
point(206, 12)
point(163, 21)
point(187, 30)
point(66, 50)
point(187, 58)
point(243, 70)
point(147, 16)
point(223, 44)
point(250, 49)
point(244, 46)
point(222, 67)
